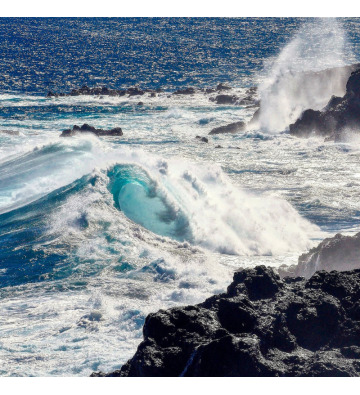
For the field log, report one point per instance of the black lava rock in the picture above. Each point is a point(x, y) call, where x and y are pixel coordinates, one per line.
point(222, 87)
point(186, 91)
point(262, 326)
point(341, 114)
point(231, 128)
point(91, 129)
point(225, 99)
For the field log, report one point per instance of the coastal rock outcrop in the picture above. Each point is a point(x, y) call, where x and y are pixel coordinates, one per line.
point(335, 253)
point(262, 326)
point(341, 114)
point(230, 128)
point(225, 99)
point(311, 87)
point(91, 129)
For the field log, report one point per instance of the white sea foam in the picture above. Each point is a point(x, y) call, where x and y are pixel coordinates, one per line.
point(289, 89)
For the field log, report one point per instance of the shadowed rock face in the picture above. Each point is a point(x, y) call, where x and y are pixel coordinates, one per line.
point(311, 83)
point(225, 99)
point(262, 326)
point(340, 115)
point(91, 129)
point(231, 128)
point(335, 253)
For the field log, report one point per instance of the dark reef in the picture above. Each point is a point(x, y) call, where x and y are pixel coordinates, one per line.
point(91, 129)
point(249, 100)
point(262, 326)
point(104, 91)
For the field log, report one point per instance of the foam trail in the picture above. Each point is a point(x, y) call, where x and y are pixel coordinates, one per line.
point(294, 85)
point(170, 197)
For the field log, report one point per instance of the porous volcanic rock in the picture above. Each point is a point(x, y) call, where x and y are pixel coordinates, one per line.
point(230, 128)
point(262, 326)
point(91, 129)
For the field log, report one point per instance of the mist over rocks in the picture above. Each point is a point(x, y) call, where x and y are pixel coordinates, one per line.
point(287, 95)
point(335, 253)
point(340, 116)
point(85, 128)
point(262, 326)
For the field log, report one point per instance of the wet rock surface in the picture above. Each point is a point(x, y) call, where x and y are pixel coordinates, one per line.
point(230, 128)
point(225, 99)
point(340, 116)
point(262, 326)
point(90, 129)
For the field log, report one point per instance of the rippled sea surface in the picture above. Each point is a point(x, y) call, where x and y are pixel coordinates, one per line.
point(95, 233)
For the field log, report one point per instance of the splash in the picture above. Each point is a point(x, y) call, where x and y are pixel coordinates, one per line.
point(295, 84)
point(174, 198)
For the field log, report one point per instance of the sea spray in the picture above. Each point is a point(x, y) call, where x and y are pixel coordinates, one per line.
point(178, 199)
point(293, 84)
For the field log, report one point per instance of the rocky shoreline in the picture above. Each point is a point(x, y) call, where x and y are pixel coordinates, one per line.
point(262, 326)
point(221, 92)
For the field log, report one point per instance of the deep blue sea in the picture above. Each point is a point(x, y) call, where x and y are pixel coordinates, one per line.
point(96, 233)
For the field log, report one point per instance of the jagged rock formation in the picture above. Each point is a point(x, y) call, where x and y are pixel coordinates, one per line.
point(231, 128)
point(329, 81)
point(262, 326)
point(91, 129)
point(340, 115)
point(334, 253)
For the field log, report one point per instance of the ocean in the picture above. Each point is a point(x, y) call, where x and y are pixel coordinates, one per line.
point(98, 232)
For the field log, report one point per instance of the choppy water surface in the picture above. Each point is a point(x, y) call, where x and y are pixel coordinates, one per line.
point(95, 233)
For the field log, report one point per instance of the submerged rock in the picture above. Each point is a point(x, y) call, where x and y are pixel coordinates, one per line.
point(231, 128)
point(91, 129)
point(262, 326)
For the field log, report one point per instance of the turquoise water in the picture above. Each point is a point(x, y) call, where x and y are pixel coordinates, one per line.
point(95, 233)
